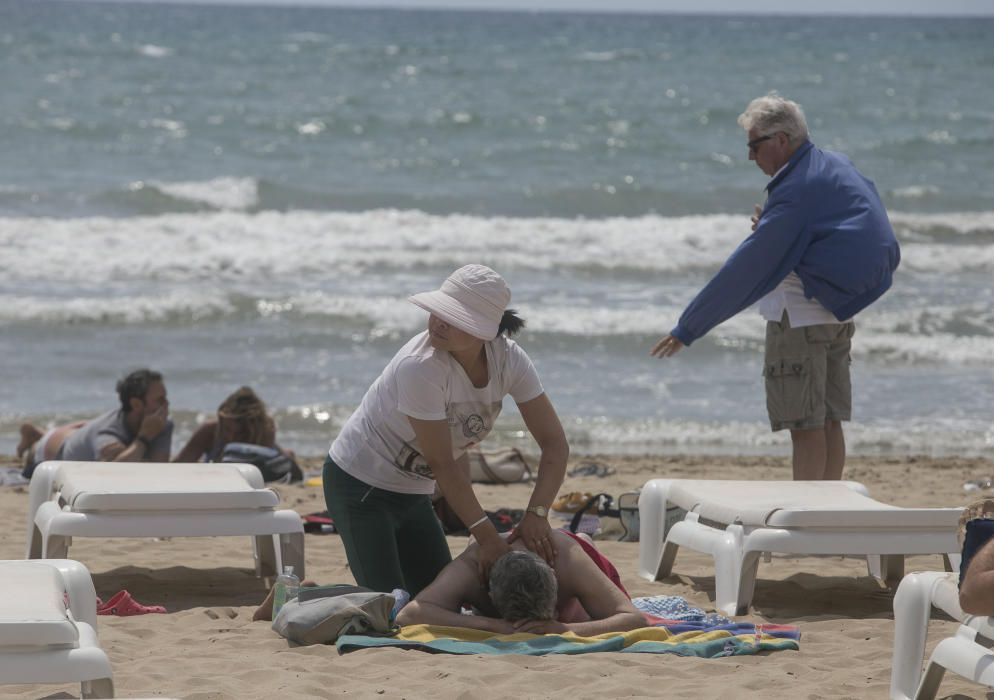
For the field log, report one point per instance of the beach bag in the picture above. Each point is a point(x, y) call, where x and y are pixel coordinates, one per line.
point(274, 465)
point(603, 506)
point(321, 615)
point(502, 466)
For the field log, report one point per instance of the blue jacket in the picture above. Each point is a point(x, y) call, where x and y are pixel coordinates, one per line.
point(824, 221)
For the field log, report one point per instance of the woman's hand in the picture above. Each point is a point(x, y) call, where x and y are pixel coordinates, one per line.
point(536, 533)
point(491, 549)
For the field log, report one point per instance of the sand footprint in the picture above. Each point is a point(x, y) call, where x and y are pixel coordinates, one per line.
point(218, 613)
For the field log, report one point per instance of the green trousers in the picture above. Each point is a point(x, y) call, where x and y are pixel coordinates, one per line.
point(392, 540)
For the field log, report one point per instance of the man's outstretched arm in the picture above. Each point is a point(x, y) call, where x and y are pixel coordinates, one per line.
point(440, 602)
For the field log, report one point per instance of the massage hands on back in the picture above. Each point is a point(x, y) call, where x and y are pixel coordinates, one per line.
point(438, 397)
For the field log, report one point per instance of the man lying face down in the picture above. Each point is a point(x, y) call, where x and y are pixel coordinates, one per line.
point(526, 595)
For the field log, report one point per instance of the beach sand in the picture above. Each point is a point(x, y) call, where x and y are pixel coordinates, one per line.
point(207, 647)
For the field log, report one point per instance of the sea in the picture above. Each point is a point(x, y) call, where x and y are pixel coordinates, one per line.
point(247, 195)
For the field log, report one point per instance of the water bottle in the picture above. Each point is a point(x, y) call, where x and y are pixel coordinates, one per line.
point(286, 587)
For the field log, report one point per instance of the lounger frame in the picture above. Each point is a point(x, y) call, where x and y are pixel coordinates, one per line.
point(86, 664)
point(736, 547)
point(278, 535)
point(966, 653)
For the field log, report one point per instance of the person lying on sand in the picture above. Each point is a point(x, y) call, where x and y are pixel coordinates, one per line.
point(138, 431)
point(582, 595)
point(241, 418)
point(527, 595)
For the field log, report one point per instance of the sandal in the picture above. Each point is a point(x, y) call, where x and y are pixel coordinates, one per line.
point(123, 605)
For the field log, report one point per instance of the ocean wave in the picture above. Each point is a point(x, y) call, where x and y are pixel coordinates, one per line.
point(154, 51)
point(920, 335)
point(226, 193)
point(306, 246)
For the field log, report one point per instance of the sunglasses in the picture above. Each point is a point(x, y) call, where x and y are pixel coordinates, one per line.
point(755, 142)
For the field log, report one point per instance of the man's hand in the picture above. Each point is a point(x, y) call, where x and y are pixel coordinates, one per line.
point(153, 423)
point(757, 212)
point(536, 533)
point(667, 347)
point(490, 551)
point(540, 627)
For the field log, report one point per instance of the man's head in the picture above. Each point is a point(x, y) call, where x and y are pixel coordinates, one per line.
point(775, 128)
point(523, 587)
point(142, 391)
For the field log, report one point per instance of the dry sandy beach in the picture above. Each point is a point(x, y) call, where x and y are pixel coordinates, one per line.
point(207, 647)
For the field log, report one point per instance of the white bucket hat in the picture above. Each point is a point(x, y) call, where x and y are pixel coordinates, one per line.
point(472, 299)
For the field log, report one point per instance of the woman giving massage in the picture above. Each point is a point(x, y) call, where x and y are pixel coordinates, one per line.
point(438, 397)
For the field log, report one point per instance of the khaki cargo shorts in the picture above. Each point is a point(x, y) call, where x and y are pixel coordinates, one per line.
point(807, 374)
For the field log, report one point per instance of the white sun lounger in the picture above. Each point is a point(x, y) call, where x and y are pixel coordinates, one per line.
point(48, 622)
point(737, 521)
point(960, 653)
point(123, 499)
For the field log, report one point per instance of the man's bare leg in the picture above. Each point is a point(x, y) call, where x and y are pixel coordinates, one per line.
point(30, 434)
point(809, 454)
point(835, 445)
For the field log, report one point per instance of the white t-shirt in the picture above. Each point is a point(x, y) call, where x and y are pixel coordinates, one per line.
point(377, 444)
point(801, 311)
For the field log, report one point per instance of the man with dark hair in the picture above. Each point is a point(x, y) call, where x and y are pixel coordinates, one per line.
point(139, 431)
point(526, 594)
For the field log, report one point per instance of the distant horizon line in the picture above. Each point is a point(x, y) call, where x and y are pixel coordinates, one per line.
point(364, 6)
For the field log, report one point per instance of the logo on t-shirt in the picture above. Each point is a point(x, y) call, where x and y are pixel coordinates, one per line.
point(411, 461)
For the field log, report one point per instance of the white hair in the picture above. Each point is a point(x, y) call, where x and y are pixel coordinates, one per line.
point(771, 114)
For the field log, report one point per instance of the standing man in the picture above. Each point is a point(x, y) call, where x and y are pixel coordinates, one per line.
point(821, 251)
point(138, 431)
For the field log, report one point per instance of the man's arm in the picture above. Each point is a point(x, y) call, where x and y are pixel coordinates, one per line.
point(976, 594)
point(756, 267)
point(440, 602)
point(142, 448)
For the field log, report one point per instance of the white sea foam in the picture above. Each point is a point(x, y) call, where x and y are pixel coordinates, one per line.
point(154, 51)
point(236, 193)
point(588, 278)
point(306, 243)
point(915, 191)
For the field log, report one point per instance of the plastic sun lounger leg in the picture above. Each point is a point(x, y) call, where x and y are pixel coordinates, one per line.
point(892, 569)
point(747, 581)
point(963, 656)
point(666, 560)
point(100, 688)
point(652, 522)
point(56, 547)
point(728, 567)
point(264, 551)
point(292, 552)
point(912, 606)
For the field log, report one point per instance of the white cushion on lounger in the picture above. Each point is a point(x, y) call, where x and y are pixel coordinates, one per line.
point(825, 504)
point(36, 615)
point(106, 486)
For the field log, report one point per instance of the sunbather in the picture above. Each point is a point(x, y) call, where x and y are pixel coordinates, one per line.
point(526, 595)
point(139, 431)
point(242, 417)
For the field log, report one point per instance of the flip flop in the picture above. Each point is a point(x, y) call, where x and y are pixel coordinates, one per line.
point(123, 605)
